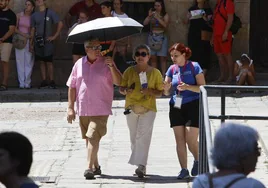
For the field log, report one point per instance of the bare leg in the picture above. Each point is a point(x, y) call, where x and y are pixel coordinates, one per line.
point(163, 64)
point(222, 64)
point(191, 139)
point(50, 68)
point(96, 163)
point(179, 132)
point(93, 148)
point(154, 61)
point(242, 79)
point(230, 67)
point(5, 67)
point(43, 70)
point(250, 79)
point(205, 72)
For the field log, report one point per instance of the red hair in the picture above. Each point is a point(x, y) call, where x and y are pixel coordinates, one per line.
point(182, 49)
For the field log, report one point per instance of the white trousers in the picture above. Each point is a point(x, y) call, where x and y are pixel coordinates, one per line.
point(140, 129)
point(25, 62)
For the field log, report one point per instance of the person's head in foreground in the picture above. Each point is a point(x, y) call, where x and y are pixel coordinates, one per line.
point(236, 148)
point(235, 154)
point(16, 156)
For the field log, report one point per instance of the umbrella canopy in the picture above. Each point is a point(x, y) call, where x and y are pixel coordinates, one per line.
point(105, 29)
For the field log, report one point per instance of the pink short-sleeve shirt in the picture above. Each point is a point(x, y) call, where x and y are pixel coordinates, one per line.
point(94, 87)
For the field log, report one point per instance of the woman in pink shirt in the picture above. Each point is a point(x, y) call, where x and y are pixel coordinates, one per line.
point(24, 57)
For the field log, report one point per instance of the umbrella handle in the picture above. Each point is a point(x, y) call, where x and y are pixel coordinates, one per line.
point(104, 52)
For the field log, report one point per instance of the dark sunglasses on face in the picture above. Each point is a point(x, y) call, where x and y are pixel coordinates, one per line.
point(138, 54)
point(94, 47)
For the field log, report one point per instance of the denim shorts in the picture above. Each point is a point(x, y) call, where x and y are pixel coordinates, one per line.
point(164, 50)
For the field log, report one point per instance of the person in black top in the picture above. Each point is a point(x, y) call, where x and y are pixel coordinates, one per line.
point(8, 20)
point(200, 32)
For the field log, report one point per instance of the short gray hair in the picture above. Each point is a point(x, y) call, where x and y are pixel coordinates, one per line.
point(139, 47)
point(232, 142)
point(90, 40)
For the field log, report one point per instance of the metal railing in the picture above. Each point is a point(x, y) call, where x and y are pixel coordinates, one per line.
point(205, 134)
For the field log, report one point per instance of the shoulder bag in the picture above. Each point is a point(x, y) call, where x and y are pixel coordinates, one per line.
point(40, 40)
point(19, 41)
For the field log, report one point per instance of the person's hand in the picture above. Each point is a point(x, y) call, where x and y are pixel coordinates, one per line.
point(225, 36)
point(125, 91)
point(146, 91)
point(205, 17)
point(1, 40)
point(109, 61)
point(211, 41)
point(51, 38)
point(150, 13)
point(166, 86)
point(182, 86)
point(70, 115)
point(27, 36)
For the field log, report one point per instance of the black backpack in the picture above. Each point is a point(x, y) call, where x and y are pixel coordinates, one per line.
point(236, 25)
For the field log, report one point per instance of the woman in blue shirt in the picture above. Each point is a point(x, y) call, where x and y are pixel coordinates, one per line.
point(185, 78)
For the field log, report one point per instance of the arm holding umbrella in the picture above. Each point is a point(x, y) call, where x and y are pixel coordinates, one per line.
point(116, 75)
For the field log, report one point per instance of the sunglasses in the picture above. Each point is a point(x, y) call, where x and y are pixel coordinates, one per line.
point(95, 47)
point(138, 54)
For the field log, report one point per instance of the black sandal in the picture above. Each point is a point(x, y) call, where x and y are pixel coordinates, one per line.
point(3, 87)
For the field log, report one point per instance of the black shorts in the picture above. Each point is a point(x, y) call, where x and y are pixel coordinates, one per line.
point(44, 58)
point(188, 115)
point(78, 49)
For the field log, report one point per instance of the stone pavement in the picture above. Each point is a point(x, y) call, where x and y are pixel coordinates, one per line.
point(59, 152)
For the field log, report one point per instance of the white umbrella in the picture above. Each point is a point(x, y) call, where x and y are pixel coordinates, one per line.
point(105, 29)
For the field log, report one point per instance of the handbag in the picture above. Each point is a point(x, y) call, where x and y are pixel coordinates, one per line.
point(138, 109)
point(155, 41)
point(40, 40)
point(19, 41)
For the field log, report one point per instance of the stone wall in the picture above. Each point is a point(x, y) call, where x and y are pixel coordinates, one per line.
point(177, 32)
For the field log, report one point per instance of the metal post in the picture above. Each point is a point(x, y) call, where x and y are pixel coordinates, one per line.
point(201, 136)
point(222, 105)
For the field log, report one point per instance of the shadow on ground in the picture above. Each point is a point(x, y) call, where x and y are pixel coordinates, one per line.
point(149, 178)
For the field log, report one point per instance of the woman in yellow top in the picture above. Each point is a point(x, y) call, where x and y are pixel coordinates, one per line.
point(141, 84)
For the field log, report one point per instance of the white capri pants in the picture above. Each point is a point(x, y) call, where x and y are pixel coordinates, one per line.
point(140, 129)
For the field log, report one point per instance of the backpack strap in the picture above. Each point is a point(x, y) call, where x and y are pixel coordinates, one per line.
point(234, 181)
point(173, 69)
point(192, 69)
point(224, 4)
point(210, 182)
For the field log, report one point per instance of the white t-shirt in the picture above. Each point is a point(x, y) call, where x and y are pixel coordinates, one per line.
point(119, 15)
